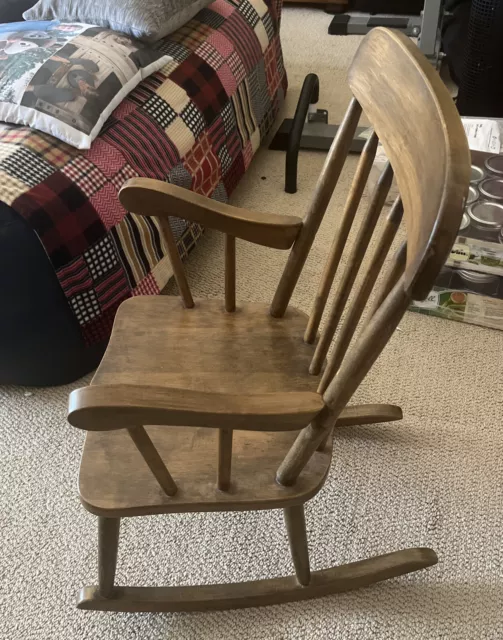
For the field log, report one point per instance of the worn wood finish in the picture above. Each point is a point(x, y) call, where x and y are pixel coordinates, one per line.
point(206, 349)
point(353, 266)
point(321, 199)
point(230, 273)
point(149, 197)
point(224, 459)
point(421, 132)
point(359, 414)
point(108, 545)
point(109, 407)
point(297, 537)
point(337, 249)
point(391, 277)
point(360, 300)
point(154, 461)
point(115, 482)
point(354, 368)
point(260, 592)
point(176, 264)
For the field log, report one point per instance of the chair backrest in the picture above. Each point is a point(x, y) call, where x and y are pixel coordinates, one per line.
point(415, 119)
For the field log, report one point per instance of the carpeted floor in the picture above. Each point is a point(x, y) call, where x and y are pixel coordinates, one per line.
point(435, 479)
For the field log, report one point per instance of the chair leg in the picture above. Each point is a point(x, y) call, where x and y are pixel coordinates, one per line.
point(296, 528)
point(108, 544)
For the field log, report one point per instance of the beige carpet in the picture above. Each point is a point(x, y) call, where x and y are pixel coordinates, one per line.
point(435, 479)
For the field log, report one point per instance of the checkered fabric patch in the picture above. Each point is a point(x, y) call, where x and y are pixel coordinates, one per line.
point(193, 118)
point(210, 55)
point(211, 18)
point(101, 258)
point(27, 166)
point(237, 67)
point(122, 176)
point(248, 12)
point(268, 26)
point(176, 50)
point(160, 110)
point(85, 306)
point(53, 151)
point(147, 287)
point(228, 118)
point(196, 123)
point(85, 175)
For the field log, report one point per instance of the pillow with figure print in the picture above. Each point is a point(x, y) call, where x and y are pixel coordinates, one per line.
point(66, 79)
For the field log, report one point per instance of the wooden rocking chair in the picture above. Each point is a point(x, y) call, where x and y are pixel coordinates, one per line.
point(245, 380)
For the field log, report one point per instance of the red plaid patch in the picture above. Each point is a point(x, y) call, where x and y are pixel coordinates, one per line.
point(204, 167)
point(202, 85)
point(88, 177)
point(62, 217)
point(271, 70)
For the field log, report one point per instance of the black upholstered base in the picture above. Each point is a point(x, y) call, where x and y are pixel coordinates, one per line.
point(40, 341)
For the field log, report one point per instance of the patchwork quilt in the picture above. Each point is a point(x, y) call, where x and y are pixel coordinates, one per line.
point(196, 123)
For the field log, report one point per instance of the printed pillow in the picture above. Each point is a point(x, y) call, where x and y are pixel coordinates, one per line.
point(66, 79)
point(147, 20)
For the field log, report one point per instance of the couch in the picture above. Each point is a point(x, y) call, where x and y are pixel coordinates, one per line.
point(69, 253)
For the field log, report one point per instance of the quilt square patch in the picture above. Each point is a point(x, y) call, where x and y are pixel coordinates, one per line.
point(84, 174)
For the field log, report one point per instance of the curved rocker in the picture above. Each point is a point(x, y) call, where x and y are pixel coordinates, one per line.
point(258, 593)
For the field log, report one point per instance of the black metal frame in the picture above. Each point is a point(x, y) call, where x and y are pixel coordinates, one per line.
point(310, 94)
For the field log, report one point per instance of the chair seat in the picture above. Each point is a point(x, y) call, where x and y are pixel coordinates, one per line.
point(156, 341)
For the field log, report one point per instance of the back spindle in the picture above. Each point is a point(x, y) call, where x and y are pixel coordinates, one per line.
point(391, 277)
point(224, 459)
point(355, 259)
point(230, 273)
point(176, 264)
point(352, 203)
point(321, 199)
point(361, 298)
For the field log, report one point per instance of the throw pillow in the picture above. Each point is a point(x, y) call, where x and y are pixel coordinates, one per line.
point(66, 79)
point(147, 20)
point(12, 10)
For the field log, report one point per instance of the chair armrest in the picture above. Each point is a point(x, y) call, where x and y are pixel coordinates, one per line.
point(148, 197)
point(109, 407)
